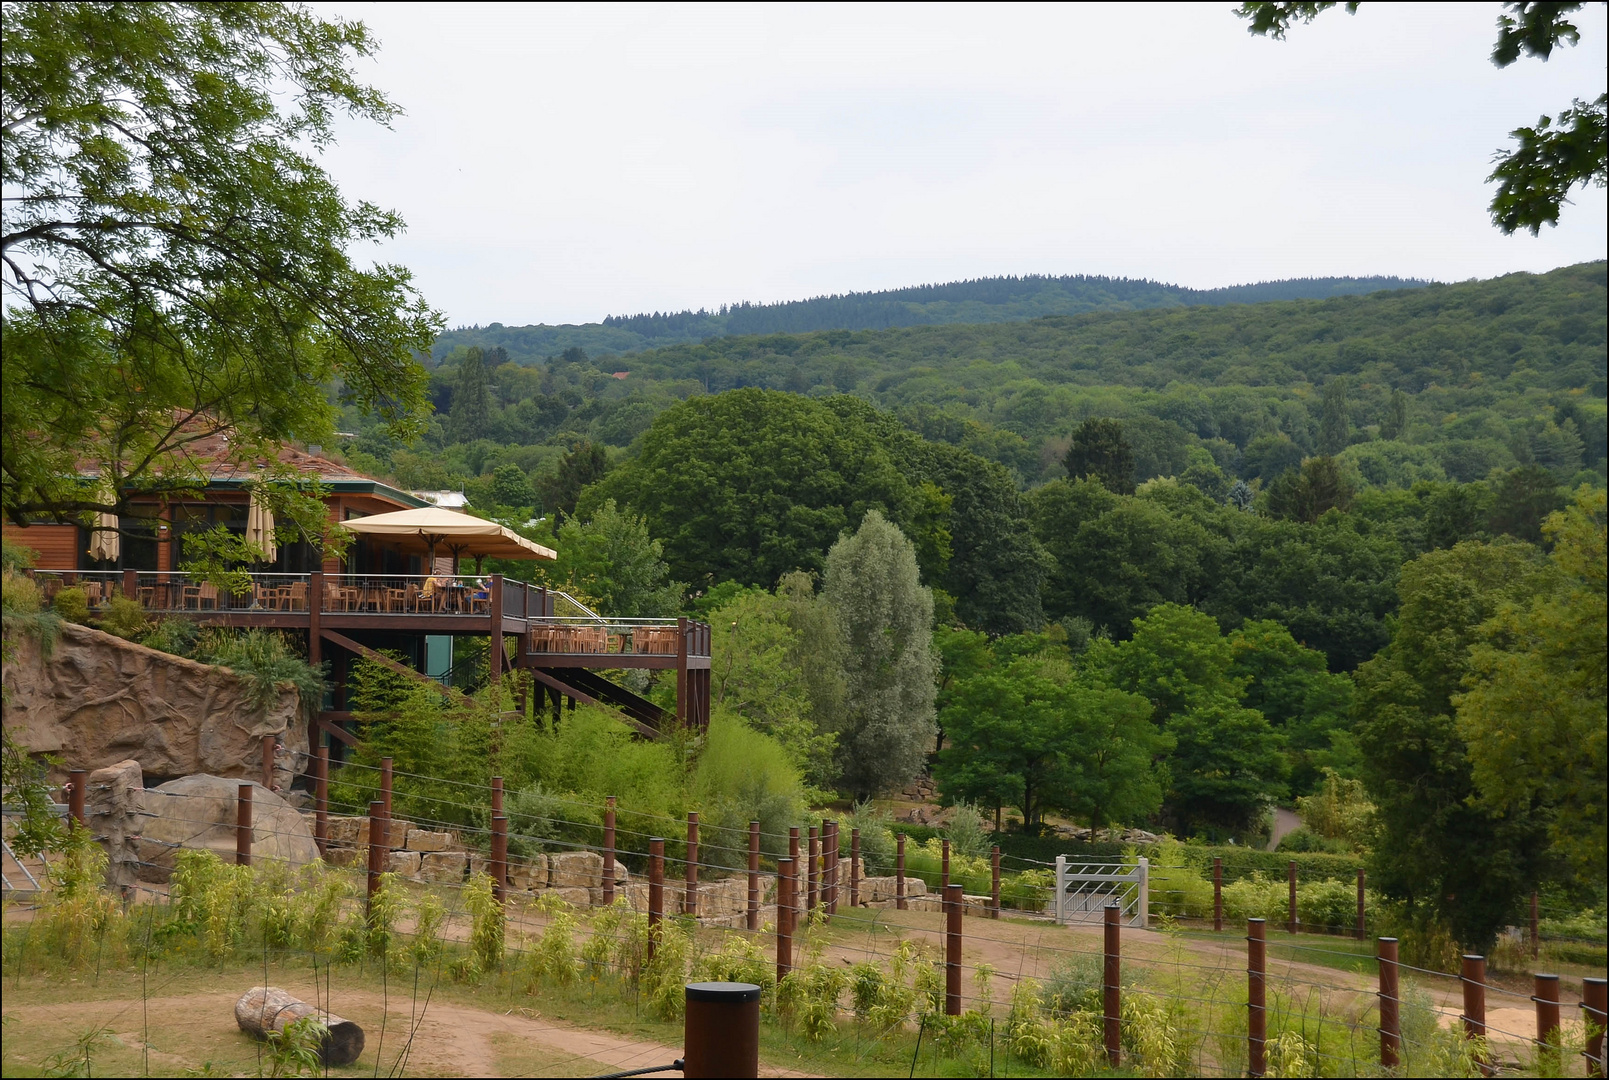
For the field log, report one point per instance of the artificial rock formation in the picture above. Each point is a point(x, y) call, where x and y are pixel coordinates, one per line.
point(97, 700)
point(200, 812)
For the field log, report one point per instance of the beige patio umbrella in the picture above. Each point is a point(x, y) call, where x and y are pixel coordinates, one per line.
point(260, 528)
point(430, 527)
point(105, 545)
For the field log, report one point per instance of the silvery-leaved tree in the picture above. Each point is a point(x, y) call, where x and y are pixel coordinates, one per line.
point(176, 264)
point(890, 667)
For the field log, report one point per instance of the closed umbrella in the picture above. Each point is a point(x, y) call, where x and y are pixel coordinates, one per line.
point(260, 528)
point(105, 545)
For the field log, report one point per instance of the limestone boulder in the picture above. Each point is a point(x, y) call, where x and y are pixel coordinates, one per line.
point(575, 870)
point(529, 874)
point(98, 700)
point(403, 863)
point(575, 897)
point(199, 812)
point(447, 867)
point(424, 840)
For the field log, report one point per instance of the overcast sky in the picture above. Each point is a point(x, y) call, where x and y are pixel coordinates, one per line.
point(559, 163)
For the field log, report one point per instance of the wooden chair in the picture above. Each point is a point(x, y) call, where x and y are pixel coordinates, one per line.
point(92, 593)
point(209, 592)
point(295, 597)
point(336, 598)
point(394, 600)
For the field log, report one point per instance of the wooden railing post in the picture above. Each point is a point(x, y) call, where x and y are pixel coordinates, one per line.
point(1256, 997)
point(315, 636)
point(131, 584)
point(243, 828)
point(499, 858)
point(753, 912)
point(609, 851)
point(1390, 1005)
point(494, 607)
point(1547, 1016)
point(829, 867)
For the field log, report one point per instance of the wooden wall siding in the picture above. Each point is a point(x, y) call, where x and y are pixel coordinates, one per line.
point(57, 545)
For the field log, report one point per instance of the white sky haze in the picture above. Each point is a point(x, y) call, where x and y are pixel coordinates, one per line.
point(559, 163)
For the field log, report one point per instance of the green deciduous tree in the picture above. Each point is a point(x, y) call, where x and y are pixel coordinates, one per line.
point(1533, 716)
point(751, 484)
point(175, 259)
point(889, 663)
point(1100, 450)
point(1440, 850)
point(610, 557)
point(1292, 686)
point(1227, 763)
point(1554, 157)
point(1030, 734)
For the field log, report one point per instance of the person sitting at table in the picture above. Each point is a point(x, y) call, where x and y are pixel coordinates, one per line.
point(436, 584)
point(483, 591)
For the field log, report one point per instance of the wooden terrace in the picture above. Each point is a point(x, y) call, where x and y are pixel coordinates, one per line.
point(559, 641)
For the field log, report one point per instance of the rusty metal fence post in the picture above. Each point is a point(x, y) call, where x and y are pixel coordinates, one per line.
point(784, 917)
point(1472, 974)
point(656, 890)
point(900, 903)
point(690, 892)
point(1256, 997)
point(944, 869)
point(376, 847)
point(721, 1030)
point(1291, 875)
point(811, 880)
point(1358, 932)
point(1595, 1012)
point(753, 920)
point(243, 825)
point(854, 868)
point(499, 860)
point(1217, 893)
point(1390, 997)
point(77, 780)
point(1536, 926)
point(609, 874)
point(953, 903)
point(1547, 1017)
point(1111, 986)
point(994, 882)
point(321, 798)
point(385, 798)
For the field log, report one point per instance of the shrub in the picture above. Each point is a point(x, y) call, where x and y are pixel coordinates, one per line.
point(743, 775)
point(1339, 810)
point(124, 617)
point(263, 659)
point(966, 831)
point(176, 635)
point(1306, 840)
point(72, 604)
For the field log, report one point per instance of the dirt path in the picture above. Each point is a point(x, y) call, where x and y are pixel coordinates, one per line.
point(440, 1039)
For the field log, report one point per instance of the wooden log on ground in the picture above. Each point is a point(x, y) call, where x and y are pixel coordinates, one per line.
point(268, 1008)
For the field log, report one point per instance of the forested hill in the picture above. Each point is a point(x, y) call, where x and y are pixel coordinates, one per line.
point(983, 300)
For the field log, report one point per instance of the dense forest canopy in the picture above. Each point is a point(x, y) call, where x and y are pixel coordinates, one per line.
point(983, 300)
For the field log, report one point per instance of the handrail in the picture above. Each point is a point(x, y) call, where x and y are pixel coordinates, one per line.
point(586, 611)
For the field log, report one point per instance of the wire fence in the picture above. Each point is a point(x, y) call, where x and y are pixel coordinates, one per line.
point(954, 978)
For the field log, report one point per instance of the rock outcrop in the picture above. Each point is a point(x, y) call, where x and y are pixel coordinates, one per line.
point(98, 700)
point(199, 812)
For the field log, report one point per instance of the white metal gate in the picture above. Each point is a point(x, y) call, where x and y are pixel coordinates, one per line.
point(1084, 889)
